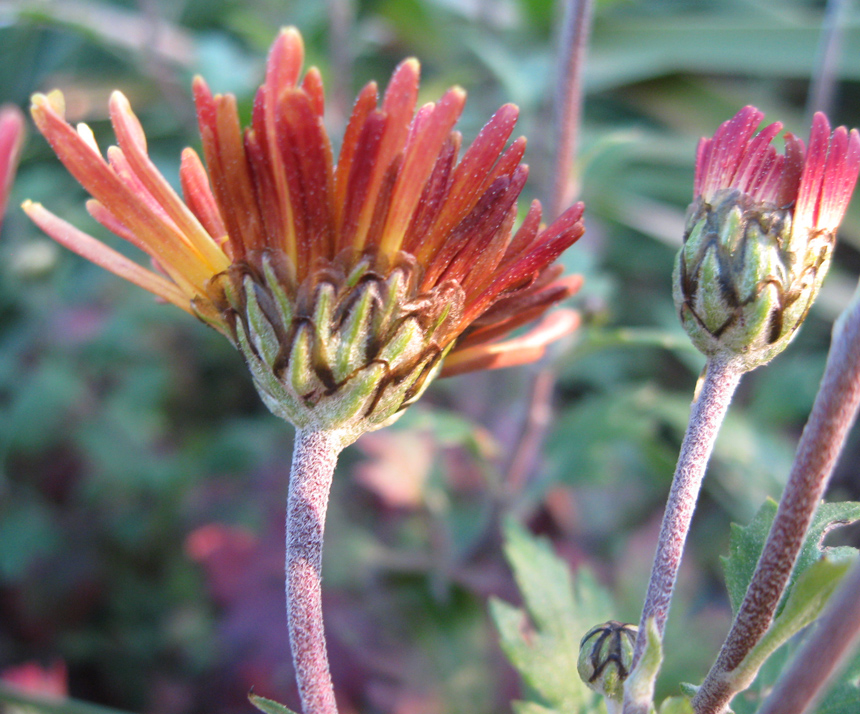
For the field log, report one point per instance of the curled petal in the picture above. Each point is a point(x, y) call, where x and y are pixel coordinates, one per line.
point(97, 252)
point(521, 350)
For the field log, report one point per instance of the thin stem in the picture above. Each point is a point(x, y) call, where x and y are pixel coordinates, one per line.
point(568, 102)
point(719, 383)
point(314, 458)
point(832, 414)
point(824, 78)
point(341, 16)
point(836, 635)
point(534, 429)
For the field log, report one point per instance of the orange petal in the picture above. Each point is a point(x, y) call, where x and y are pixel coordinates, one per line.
point(464, 191)
point(97, 252)
point(521, 350)
point(307, 157)
point(284, 64)
point(90, 169)
point(198, 195)
point(131, 139)
point(364, 105)
point(425, 142)
point(398, 105)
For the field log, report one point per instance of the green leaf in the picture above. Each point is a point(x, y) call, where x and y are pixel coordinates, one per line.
point(804, 604)
point(676, 705)
point(747, 542)
point(745, 546)
point(811, 583)
point(639, 687)
point(542, 641)
point(826, 518)
point(268, 706)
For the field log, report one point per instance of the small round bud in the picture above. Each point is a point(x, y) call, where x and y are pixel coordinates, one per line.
point(606, 656)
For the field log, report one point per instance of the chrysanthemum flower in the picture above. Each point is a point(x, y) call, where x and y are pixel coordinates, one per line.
point(344, 285)
point(760, 234)
point(11, 141)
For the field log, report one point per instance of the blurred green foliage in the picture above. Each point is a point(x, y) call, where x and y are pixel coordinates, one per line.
point(142, 482)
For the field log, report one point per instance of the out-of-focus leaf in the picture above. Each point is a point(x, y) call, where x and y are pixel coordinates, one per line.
point(542, 641)
point(25, 533)
point(627, 52)
point(66, 706)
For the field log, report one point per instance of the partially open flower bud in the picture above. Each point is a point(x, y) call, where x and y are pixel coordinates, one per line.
point(606, 656)
point(760, 234)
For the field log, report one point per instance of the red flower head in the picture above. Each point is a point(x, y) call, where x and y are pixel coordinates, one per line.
point(344, 285)
point(760, 234)
point(11, 141)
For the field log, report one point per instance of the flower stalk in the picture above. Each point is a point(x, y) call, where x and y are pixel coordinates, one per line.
point(720, 379)
point(314, 458)
point(832, 415)
point(568, 101)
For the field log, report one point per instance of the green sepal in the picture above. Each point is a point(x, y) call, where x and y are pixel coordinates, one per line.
point(301, 373)
point(263, 335)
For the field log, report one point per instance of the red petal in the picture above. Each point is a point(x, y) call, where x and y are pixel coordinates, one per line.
point(364, 105)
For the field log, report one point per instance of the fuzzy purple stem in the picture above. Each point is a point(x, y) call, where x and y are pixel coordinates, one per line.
point(719, 383)
point(832, 415)
point(835, 637)
point(568, 101)
point(314, 458)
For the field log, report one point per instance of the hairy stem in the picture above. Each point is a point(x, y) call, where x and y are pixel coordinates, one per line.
point(719, 383)
point(832, 415)
point(836, 635)
point(568, 102)
point(314, 458)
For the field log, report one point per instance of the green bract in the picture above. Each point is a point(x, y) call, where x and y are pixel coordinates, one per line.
point(341, 351)
point(743, 283)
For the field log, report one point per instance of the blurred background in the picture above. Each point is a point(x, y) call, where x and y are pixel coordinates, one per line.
point(143, 483)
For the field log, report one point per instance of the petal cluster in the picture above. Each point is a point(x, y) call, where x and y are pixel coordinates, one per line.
point(273, 237)
point(760, 233)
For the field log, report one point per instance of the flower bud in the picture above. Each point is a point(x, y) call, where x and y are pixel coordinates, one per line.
point(759, 235)
point(606, 656)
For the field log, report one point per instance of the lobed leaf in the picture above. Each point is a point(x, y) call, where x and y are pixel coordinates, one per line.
point(542, 640)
